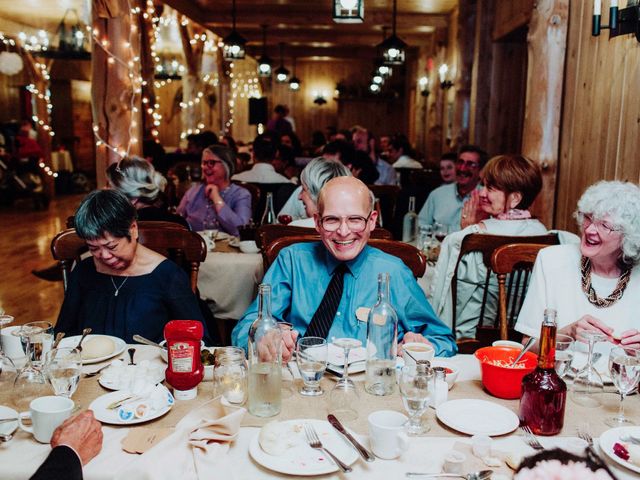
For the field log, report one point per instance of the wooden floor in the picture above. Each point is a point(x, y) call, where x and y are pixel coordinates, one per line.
point(24, 245)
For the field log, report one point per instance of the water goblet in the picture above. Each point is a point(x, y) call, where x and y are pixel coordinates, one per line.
point(564, 355)
point(587, 386)
point(624, 367)
point(344, 395)
point(30, 382)
point(416, 384)
point(440, 231)
point(311, 358)
point(63, 367)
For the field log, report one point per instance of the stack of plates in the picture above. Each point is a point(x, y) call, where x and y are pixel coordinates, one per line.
point(335, 360)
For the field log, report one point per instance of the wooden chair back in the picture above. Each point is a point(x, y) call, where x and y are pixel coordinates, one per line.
point(411, 256)
point(516, 261)
point(169, 239)
point(268, 233)
point(254, 190)
point(486, 244)
point(388, 196)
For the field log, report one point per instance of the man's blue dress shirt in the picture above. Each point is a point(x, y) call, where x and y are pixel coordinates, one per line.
point(299, 278)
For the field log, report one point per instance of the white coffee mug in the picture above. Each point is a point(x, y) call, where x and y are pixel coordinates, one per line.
point(419, 351)
point(386, 434)
point(11, 343)
point(46, 414)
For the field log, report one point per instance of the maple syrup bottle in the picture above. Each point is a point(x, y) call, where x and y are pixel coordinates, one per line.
point(544, 393)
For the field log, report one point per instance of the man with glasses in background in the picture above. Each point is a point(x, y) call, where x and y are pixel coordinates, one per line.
point(444, 204)
point(336, 278)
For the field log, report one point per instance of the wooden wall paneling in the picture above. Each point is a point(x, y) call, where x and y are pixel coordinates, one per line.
point(171, 124)
point(547, 42)
point(510, 16)
point(244, 73)
point(481, 94)
point(600, 129)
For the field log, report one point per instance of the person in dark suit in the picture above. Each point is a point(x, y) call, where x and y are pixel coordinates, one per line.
point(74, 444)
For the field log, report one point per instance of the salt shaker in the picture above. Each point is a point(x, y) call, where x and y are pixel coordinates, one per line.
point(441, 389)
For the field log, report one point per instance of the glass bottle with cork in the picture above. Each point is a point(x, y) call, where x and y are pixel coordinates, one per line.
point(269, 215)
point(382, 342)
point(265, 359)
point(409, 222)
point(544, 393)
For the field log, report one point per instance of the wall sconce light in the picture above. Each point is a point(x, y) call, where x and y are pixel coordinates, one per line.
point(348, 11)
point(445, 83)
point(621, 22)
point(319, 98)
point(423, 83)
point(234, 43)
point(282, 74)
point(393, 48)
point(264, 62)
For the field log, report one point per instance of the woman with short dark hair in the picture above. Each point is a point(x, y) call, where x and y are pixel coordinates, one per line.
point(124, 288)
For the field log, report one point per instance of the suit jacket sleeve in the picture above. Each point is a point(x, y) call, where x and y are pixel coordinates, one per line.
point(61, 464)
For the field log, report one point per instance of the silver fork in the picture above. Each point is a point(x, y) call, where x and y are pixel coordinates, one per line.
point(314, 442)
point(530, 439)
point(583, 433)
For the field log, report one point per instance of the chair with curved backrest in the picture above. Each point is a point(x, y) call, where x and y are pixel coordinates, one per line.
point(268, 233)
point(411, 256)
point(388, 196)
point(514, 260)
point(487, 330)
point(254, 190)
point(169, 239)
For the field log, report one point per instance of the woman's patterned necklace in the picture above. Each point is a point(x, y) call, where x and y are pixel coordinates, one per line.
point(592, 296)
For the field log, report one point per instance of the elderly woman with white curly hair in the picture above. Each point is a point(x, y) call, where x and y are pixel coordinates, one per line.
point(594, 286)
point(144, 187)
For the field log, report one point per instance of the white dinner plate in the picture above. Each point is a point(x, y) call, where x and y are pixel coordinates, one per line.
point(104, 415)
point(9, 427)
point(302, 460)
point(119, 346)
point(477, 417)
point(610, 437)
point(155, 377)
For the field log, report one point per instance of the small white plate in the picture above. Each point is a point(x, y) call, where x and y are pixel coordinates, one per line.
point(104, 415)
point(612, 436)
point(234, 242)
point(119, 346)
point(9, 427)
point(301, 459)
point(477, 417)
point(156, 378)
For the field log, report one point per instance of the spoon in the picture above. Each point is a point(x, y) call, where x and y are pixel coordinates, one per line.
point(146, 341)
point(132, 352)
point(85, 332)
point(524, 350)
point(481, 475)
point(59, 336)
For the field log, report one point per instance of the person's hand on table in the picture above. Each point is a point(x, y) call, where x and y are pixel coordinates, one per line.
point(82, 433)
point(629, 338)
point(289, 338)
point(267, 346)
point(411, 337)
point(587, 323)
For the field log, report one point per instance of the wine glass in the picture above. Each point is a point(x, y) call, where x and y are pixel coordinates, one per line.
point(30, 382)
point(416, 389)
point(624, 367)
point(440, 231)
point(211, 227)
point(285, 219)
point(63, 369)
point(311, 358)
point(564, 354)
point(344, 396)
point(587, 386)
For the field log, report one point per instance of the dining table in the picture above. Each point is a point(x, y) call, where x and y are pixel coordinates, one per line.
point(20, 457)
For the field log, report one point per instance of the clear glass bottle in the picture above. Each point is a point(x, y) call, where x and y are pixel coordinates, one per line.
point(265, 359)
point(382, 342)
point(378, 208)
point(409, 222)
point(269, 215)
point(544, 393)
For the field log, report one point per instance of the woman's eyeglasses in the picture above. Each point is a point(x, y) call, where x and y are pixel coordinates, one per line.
point(355, 223)
point(602, 227)
point(210, 163)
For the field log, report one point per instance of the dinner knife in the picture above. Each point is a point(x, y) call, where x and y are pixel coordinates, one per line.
point(364, 453)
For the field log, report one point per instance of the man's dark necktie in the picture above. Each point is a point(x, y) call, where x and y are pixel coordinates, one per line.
point(323, 318)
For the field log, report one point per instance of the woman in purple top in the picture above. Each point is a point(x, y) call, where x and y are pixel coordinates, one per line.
point(217, 200)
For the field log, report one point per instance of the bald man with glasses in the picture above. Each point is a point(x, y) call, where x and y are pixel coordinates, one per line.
point(306, 276)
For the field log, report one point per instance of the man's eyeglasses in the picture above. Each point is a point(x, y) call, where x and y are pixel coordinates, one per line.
point(355, 223)
point(467, 163)
point(602, 227)
point(210, 163)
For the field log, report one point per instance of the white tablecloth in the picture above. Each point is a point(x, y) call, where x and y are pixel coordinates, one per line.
point(20, 457)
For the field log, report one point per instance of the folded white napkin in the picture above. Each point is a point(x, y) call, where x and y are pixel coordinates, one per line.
point(196, 448)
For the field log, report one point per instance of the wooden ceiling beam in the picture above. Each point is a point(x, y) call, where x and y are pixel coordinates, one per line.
point(316, 53)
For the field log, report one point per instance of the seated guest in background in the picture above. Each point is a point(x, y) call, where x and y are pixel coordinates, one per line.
point(124, 288)
point(285, 163)
point(383, 146)
point(229, 142)
point(511, 184)
point(143, 186)
point(400, 152)
point(362, 167)
point(74, 443)
point(318, 141)
point(364, 141)
point(301, 274)
point(317, 172)
point(217, 200)
point(444, 204)
point(292, 141)
point(594, 286)
point(263, 171)
point(278, 122)
point(448, 167)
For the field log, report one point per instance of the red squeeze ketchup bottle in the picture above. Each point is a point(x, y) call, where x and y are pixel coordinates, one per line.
point(185, 370)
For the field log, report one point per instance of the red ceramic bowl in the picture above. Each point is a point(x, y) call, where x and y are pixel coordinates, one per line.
point(504, 382)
